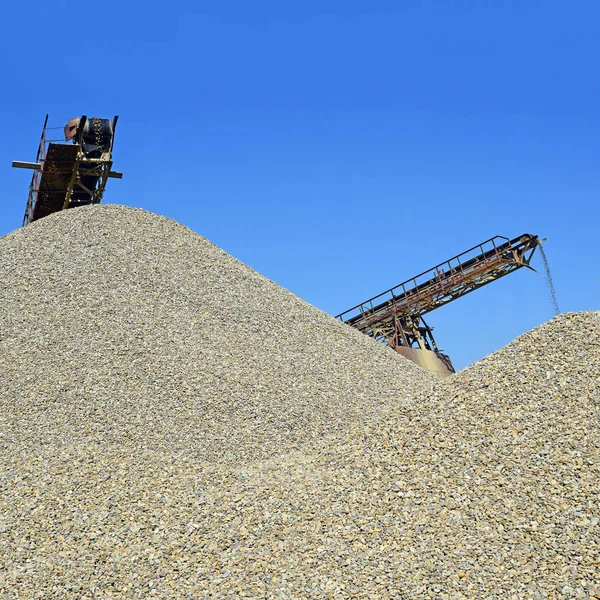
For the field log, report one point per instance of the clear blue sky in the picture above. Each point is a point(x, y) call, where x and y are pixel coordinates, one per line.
point(336, 147)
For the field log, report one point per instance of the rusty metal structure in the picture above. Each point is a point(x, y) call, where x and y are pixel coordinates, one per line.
point(73, 172)
point(395, 317)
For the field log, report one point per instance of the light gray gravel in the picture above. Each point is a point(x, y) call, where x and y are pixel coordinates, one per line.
point(119, 326)
point(361, 480)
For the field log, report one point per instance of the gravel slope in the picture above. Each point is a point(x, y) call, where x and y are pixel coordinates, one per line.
point(484, 485)
point(119, 326)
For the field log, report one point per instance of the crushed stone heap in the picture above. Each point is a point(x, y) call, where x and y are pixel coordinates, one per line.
point(118, 326)
point(484, 485)
point(487, 488)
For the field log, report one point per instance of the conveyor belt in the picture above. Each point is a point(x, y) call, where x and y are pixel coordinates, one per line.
point(54, 179)
point(443, 283)
point(71, 174)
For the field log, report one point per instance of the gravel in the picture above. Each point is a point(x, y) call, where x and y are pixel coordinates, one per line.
point(123, 327)
point(176, 426)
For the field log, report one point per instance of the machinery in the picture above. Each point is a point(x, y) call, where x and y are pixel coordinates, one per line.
point(395, 317)
point(70, 173)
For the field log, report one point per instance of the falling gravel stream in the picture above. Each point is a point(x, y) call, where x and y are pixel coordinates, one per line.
point(549, 281)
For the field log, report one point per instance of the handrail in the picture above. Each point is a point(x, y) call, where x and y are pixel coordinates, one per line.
point(445, 279)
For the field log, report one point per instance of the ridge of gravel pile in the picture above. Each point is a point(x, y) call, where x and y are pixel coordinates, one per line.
point(122, 327)
point(481, 486)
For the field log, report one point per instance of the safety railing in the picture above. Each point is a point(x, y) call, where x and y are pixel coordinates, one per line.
point(432, 288)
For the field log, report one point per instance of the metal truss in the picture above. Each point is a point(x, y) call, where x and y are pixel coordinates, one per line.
point(395, 317)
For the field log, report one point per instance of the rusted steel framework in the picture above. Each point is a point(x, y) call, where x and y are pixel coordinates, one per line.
point(70, 173)
point(395, 317)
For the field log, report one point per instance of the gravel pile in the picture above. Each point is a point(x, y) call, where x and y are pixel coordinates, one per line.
point(484, 485)
point(122, 327)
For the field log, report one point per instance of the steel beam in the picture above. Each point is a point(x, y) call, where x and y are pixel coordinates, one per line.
point(19, 164)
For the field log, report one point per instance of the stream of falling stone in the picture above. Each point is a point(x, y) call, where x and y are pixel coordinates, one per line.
point(549, 281)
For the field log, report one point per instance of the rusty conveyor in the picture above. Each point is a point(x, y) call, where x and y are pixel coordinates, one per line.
point(395, 317)
point(71, 173)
